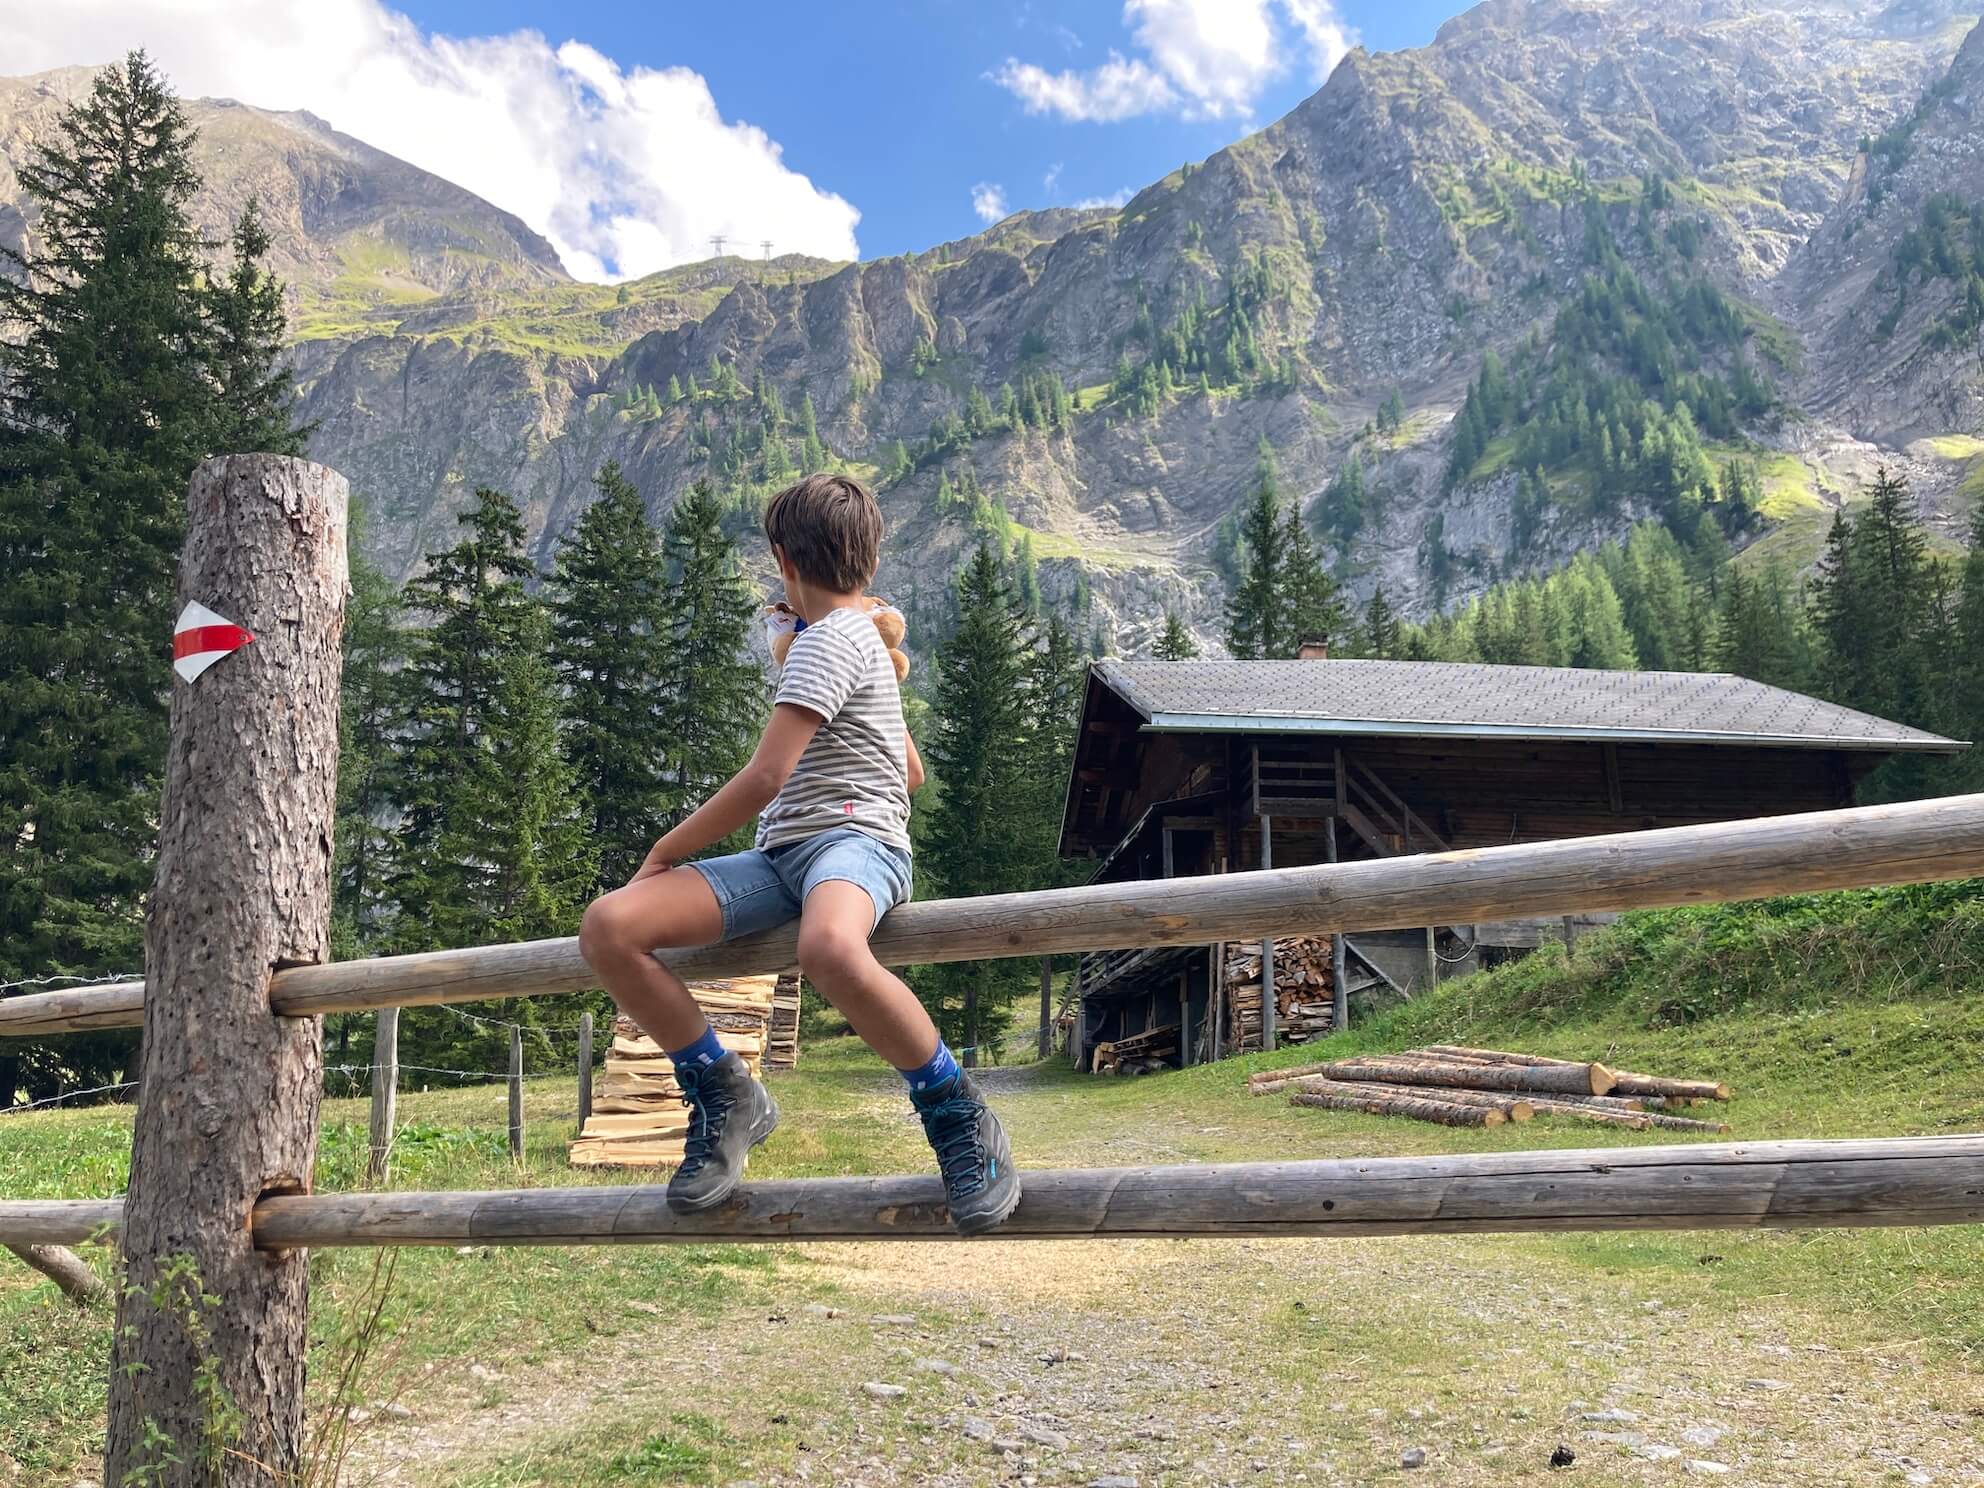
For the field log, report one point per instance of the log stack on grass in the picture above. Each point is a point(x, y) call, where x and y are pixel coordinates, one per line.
point(1302, 991)
point(1454, 1085)
point(638, 1119)
point(1140, 1053)
point(782, 1045)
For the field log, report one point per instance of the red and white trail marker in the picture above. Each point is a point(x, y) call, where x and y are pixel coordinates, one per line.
point(200, 638)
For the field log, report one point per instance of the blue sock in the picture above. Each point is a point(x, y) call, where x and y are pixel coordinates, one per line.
point(703, 1052)
point(934, 1071)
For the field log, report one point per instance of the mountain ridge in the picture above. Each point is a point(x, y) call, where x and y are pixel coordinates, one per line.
point(1419, 208)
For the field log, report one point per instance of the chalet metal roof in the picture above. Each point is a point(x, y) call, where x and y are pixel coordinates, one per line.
point(1465, 700)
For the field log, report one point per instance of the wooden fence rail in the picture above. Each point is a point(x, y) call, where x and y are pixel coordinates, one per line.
point(1912, 842)
point(1874, 1182)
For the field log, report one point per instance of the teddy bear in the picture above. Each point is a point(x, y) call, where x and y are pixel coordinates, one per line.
point(782, 623)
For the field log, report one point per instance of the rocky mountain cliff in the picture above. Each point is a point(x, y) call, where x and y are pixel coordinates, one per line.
point(1421, 208)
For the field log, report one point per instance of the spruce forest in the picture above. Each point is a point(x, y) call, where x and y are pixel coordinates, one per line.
point(522, 718)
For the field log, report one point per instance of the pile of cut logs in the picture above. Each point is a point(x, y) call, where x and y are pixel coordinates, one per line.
point(1302, 984)
point(638, 1119)
point(1140, 1053)
point(782, 1043)
point(1458, 1086)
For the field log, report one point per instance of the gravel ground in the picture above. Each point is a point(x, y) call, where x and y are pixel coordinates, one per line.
point(1447, 1361)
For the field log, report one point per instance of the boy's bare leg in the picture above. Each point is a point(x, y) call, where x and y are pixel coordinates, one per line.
point(834, 926)
point(622, 929)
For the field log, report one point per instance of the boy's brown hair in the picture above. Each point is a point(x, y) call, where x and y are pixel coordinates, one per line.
point(830, 529)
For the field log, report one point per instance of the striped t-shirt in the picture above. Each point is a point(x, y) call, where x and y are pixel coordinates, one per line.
point(853, 773)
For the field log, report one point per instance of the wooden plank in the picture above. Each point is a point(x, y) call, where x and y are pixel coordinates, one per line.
point(1339, 959)
point(1870, 1182)
point(1905, 842)
point(1046, 1006)
point(1614, 793)
point(585, 1068)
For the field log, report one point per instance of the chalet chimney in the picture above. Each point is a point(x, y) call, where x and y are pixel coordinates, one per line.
point(1313, 650)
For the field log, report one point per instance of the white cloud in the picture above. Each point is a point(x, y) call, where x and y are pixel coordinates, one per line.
point(1203, 59)
point(1052, 178)
point(625, 170)
point(1114, 199)
point(1327, 38)
point(989, 202)
point(1118, 89)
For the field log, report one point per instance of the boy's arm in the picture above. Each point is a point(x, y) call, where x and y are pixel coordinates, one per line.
point(742, 796)
point(914, 762)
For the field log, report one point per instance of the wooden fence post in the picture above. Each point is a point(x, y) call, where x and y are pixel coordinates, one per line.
point(385, 1095)
point(1267, 945)
point(516, 1094)
point(1339, 962)
point(585, 1069)
point(1046, 1006)
point(229, 1104)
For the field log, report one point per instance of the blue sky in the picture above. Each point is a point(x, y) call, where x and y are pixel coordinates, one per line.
point(888, 103)
point(628, 133)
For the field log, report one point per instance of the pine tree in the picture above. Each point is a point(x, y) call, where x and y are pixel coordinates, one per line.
point(543, 866)
point(1257, 620)
point(1382, 638)
point(1760, 630)
point(1314, 607)
point(1176, 644)
point(978, 712)
point(255, 407)
point(473, 597)
point(608, 598)
point(107, 402)
point(713, 695)
point(674, 389)
point(1598, 623)
point(1967, 772)
point(812, 453)
point(370, 704)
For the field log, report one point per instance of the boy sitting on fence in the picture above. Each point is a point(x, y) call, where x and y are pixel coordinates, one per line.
point(830, 784)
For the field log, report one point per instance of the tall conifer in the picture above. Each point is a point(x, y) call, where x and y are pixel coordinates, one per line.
point(713, 693)
point(1257, 619)
point(609, 601)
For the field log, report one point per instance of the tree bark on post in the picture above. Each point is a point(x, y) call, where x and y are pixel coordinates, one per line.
point(385, 1095)
point(585, 1069)
point(208, 1352)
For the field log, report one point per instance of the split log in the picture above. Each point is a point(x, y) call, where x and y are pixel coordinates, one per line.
point(1627, 1082)
point(1636, 1084)
point(1295, 1071)
point(1514, 1107)
point(1582, 1079)
point(1733, 1185)
point(1443, 1113)
point(73, 1275)
point(1633, 1120)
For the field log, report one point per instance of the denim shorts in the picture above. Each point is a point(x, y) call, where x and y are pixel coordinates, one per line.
point(759, 889)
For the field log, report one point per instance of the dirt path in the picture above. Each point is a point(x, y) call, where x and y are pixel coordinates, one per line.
point(1209, 1363)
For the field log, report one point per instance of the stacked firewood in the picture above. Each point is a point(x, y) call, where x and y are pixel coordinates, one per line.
point(638, 1119)
point(1140, 1053)
point(782, 1046)
point(1302, 986)
point(1458, 1086)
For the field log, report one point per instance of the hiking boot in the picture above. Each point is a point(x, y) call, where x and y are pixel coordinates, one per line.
point(973, 1155)
point(729, 1114)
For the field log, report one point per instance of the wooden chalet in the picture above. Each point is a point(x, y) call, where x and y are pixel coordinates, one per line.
point(1195, 767)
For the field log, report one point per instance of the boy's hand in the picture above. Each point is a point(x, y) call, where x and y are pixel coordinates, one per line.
point(657, 861)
